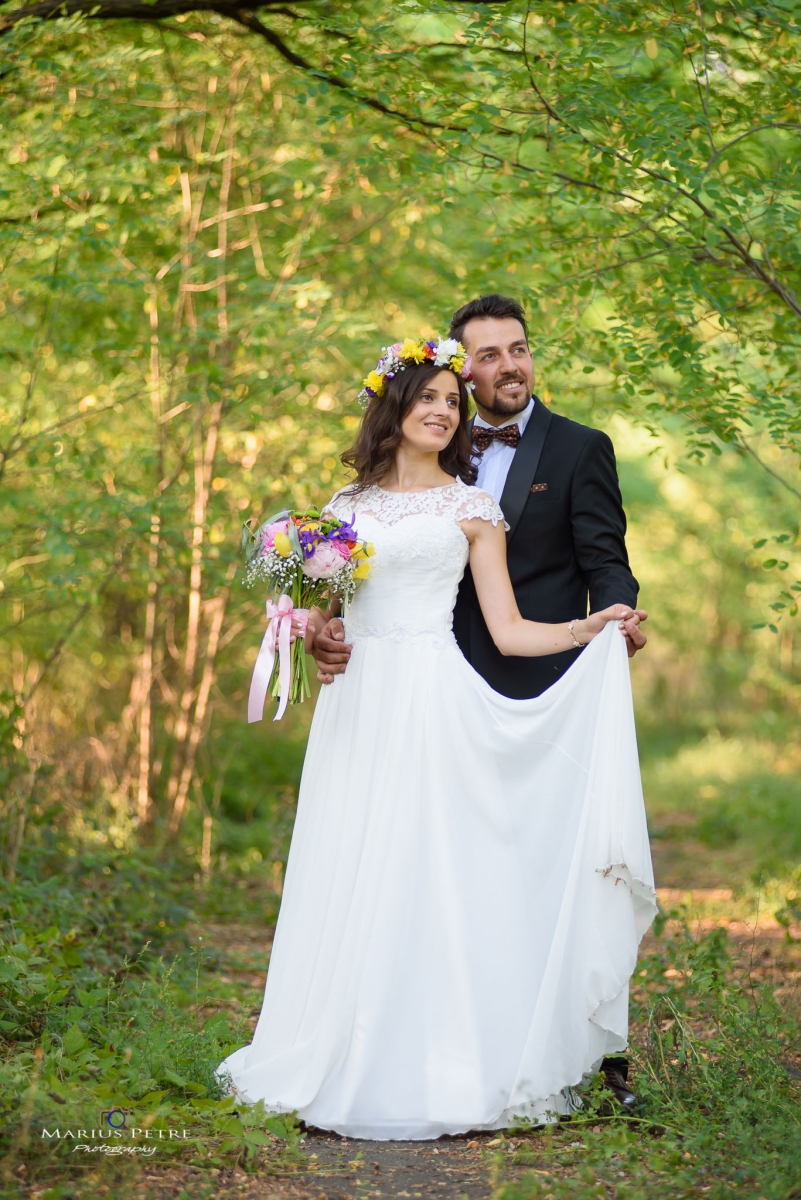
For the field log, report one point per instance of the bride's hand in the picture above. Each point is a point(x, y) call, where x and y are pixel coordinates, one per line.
point(297, 629)
point(595, 623)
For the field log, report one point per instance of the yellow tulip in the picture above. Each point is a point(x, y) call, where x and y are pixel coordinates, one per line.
point(369, 549)
point(282, 545)
point(363, 570)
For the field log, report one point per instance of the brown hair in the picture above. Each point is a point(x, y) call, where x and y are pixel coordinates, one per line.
point(373, 452)
point(491, 305)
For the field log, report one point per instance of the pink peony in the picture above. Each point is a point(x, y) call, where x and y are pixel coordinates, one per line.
point(324, 563)
point(269, 531)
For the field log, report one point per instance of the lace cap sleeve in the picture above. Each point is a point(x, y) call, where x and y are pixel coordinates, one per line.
point(340, 504)
point(475, 503)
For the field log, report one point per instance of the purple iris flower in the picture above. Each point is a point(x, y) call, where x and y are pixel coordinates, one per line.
point(345, 533)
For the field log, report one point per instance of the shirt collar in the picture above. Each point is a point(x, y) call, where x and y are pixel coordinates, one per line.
point(521, 420)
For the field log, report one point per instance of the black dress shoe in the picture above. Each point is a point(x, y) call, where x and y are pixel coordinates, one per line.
point(615, 1082)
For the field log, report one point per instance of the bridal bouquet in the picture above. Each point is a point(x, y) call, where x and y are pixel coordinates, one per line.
point(303, 558)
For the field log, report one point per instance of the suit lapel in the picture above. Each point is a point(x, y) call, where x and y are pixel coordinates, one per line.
point(524, 466)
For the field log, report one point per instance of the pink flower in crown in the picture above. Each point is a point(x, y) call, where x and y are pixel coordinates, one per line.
point(325, 562)
point(467, 369)
point(268, 533)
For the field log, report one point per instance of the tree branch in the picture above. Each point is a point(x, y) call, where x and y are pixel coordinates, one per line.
point(743, 444)
point(242, 12)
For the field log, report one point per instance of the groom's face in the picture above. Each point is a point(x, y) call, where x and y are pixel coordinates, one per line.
point(502, 369)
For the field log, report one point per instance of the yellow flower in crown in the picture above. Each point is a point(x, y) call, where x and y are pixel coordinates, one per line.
point(375, 383)
point(416, 351)
point(458, 361)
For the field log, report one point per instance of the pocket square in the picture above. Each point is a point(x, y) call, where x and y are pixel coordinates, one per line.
point(539, 487)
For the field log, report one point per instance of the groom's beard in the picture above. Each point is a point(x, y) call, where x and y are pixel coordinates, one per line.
point(507, 406)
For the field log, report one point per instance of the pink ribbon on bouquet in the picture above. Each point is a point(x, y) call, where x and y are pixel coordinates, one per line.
point(279, 628)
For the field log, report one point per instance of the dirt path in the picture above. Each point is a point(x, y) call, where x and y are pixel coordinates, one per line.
point(339, 1169)
point(447, 1169)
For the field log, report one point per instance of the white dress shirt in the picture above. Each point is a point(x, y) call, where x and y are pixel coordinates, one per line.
point(493, 465)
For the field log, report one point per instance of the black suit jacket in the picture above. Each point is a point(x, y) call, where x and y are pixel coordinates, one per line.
point(566, 547)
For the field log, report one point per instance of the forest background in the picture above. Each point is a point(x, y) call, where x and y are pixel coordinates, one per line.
point(211, 220)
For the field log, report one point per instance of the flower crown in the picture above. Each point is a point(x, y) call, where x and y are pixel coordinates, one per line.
point(445, 352)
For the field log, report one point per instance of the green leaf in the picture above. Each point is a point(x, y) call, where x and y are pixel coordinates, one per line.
point(74, 1040)
point(174, 1077)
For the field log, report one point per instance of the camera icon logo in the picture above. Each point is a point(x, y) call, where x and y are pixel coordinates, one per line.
point(115, 1117)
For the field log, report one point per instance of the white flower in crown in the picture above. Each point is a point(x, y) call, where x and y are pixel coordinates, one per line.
point(446, 351)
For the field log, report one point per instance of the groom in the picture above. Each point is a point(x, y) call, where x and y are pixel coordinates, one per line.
point(557, 484)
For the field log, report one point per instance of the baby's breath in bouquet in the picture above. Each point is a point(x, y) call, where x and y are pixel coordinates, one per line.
point(304, 559)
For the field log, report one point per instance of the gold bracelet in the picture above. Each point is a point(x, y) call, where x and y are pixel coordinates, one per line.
point(578, 645)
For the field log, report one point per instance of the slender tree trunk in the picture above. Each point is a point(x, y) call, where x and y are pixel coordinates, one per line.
point(177, 790)
point(146, 679)
point(146, 670)
point(201, 708)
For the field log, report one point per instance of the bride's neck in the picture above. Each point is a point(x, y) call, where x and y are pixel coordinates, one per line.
point(414, 472)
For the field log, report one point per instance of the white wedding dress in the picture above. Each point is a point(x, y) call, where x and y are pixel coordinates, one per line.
point(469, 876)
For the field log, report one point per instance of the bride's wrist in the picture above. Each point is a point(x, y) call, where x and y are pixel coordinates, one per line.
point(579, 633)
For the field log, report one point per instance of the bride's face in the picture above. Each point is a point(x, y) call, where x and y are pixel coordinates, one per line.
point(433, 418)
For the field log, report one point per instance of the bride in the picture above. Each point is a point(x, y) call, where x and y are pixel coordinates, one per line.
point(469, 875)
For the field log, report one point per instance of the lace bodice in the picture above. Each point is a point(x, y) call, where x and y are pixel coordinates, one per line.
point(420, 555)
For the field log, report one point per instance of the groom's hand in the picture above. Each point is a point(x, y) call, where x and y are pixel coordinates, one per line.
point(635, 638)
point(330, 651)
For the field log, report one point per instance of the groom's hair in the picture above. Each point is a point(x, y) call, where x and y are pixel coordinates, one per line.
point(492, 305)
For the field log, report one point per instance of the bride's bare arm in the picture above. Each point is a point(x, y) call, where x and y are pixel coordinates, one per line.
point(510, 632)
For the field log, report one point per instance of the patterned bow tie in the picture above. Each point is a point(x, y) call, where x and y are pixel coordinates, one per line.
point(508, 435)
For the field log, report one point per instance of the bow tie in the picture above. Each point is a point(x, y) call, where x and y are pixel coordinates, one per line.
point(508, 435)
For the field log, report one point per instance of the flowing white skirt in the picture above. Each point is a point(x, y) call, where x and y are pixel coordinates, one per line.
point(467, 886)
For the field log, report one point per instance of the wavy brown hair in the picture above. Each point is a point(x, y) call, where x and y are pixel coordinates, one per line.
point(373, 452)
